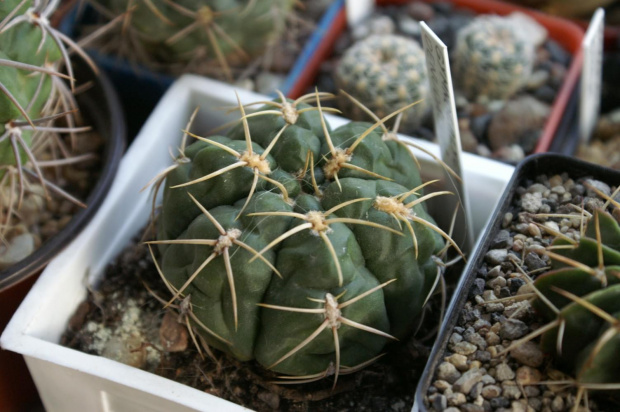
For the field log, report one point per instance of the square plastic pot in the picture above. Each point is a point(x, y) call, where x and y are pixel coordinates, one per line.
point(565, 32)
point(141, 88)
point(533, 166)
point(71, 380)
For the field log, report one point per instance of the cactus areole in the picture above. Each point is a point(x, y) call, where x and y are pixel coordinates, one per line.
point(305, 248)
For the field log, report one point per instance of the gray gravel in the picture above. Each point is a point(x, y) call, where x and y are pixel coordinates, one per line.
point(477, 374)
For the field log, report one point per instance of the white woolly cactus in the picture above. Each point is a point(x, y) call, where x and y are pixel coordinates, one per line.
point(492, 58)
point(386, 72)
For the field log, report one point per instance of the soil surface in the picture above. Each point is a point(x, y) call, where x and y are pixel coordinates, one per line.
point(123, 320)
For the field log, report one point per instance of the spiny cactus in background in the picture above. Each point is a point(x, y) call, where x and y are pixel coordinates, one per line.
point(32, 96)
point(580, 297)
point(305, 248)
point(491, 58)
point(385, 72)
point(188, 33)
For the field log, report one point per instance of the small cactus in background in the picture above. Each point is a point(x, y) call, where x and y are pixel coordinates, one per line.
point(580, 297)
point(492, 58)
point(190, 33)
point(385, 72)
point(32, 96)
point(305, 248)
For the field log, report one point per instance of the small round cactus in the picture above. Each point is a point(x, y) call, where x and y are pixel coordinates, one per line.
point(305, 248)
point(190, 32)
point(386, 72)
point(491, 58)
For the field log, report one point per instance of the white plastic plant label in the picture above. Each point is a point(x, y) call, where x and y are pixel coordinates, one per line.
point(446, 124)
point(592, 47)
point(358, 10)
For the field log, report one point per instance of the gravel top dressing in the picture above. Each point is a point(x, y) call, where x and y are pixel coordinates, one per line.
point(480, 370)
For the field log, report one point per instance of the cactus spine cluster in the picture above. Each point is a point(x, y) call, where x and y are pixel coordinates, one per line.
point(305, 248)
point(385, 72)
point(193, 33)
point(491, 58)
point(32, 96)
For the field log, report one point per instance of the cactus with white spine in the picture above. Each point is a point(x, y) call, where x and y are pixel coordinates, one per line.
point(385, 72)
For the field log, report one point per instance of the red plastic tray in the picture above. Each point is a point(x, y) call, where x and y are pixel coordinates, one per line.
point(566, 33)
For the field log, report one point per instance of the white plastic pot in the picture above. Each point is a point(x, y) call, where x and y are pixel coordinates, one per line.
point(69, 380)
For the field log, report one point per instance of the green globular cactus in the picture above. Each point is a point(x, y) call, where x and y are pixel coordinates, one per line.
point(305, 248)
point(25, 57)
point(190, 31)
point(386, 72)
point(583, 304)
point(491, 58)
point(31, 93)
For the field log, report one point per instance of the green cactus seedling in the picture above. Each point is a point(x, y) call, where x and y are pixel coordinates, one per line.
point(491, 58)
point(305, 248)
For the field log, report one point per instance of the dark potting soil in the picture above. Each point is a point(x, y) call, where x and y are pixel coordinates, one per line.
point(508, 141)
point(121, 319)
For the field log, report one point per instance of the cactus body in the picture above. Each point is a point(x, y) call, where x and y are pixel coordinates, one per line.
point(386, 72)
point(32, 96)
point(20, 43)
point(335, 249)
point(491, 58)
point(184, 31)
point(590, 345)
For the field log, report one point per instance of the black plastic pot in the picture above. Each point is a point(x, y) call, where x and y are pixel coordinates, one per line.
point(531, 167)
point(101, 109)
